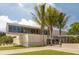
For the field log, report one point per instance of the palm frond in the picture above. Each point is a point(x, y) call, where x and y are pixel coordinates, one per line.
point(37, 11)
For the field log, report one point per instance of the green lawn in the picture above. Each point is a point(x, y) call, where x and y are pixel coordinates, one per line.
point(16, 47)
point(11, 48)
point(46, 52)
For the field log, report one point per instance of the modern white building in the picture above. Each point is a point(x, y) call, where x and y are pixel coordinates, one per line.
point(27, 35)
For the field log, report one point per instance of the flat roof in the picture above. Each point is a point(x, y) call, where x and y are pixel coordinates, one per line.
point(28, 26)
point(15, 24)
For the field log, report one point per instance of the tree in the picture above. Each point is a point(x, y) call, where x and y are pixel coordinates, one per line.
point(51, 19)
point(61, 22)
point(39, 16)
point(74, 28)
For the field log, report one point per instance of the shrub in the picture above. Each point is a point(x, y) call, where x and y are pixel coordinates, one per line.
point(6, 40)
point(73, 40)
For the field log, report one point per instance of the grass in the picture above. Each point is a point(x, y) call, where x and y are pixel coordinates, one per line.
point(11, 48)
point(45, 52)
point(16, 47)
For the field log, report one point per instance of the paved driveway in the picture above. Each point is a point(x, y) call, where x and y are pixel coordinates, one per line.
point(22, 50)
point(65, 49)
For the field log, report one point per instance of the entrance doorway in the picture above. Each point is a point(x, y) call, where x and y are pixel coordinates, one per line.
point(54, 41)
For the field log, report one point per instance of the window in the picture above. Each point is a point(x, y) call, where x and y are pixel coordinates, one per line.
point(10, 28)
point(20, 29)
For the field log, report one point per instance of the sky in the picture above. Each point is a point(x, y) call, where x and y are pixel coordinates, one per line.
point(21, 13)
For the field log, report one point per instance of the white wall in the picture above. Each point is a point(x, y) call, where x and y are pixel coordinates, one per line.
point(23, 39)
point(29, 39)
point(36, 40)
point(71, 45)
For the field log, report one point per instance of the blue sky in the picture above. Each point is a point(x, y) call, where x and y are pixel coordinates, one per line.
point(70, 9)
point(18, 11)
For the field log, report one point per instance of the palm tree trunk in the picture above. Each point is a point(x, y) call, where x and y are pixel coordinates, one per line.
point(59, 31)
point(43, 38)
point(50, 30)
point(42, 32)
point(60, 41)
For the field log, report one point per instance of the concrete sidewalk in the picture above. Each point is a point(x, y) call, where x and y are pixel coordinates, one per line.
point(3, 52)
point(70, 50)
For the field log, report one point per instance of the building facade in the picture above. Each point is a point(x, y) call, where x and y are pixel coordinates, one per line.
point(27, 35)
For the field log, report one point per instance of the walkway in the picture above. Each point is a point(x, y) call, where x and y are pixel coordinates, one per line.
point(4, 52)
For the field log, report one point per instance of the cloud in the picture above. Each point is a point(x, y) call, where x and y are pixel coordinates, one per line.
point(5, 19)
point(20, 4)
point(28, 22)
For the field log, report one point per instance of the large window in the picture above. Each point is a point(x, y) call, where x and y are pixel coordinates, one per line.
point(15, 29)
point(20, 29)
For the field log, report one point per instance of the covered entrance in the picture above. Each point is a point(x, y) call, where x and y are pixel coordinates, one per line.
point(55, 41)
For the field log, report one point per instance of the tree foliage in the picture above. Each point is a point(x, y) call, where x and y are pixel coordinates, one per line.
point(50, 17)
point(62, 20)
point(39, 15)
point(74, 28)
point(6, 40)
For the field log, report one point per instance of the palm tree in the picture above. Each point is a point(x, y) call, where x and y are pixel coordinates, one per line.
point(39, 16)
point(74, 28)
point(51, 19)
point(61, 22)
